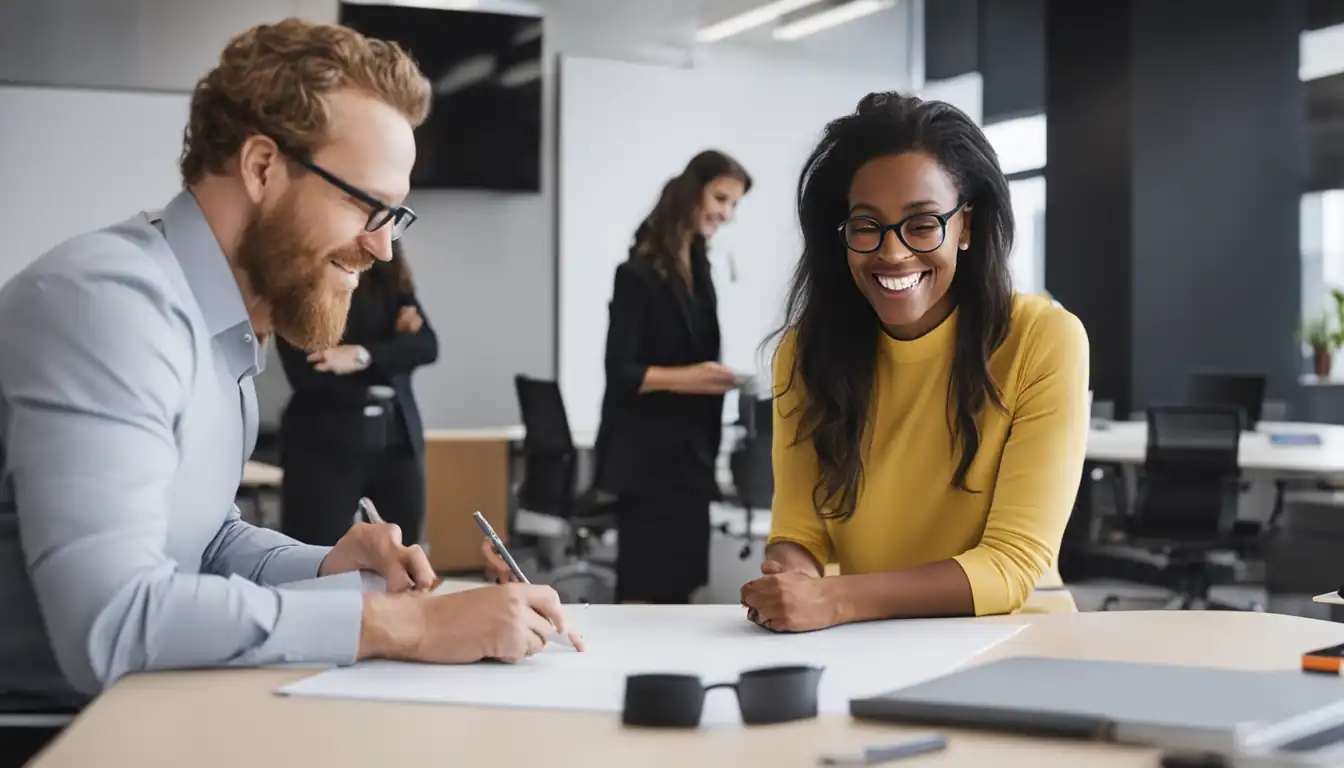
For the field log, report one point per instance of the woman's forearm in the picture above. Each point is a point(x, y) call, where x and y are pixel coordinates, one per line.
point(667, 378)
point(660, 378)
point(929, 590)
point(794, 557)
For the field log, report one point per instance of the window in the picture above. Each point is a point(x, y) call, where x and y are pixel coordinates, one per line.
point(1322, 249)
point(1020, 145)
point(1027, 261)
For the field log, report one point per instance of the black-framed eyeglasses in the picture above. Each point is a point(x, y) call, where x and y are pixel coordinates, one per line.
point(380, 213)
point(920, 232)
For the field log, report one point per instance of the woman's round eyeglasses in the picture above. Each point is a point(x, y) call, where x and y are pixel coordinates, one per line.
point(920, 232)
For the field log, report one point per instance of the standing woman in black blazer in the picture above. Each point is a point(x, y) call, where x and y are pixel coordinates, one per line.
point(662, 413)
point(352, 427)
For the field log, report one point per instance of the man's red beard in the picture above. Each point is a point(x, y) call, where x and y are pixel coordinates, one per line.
point(285, 273)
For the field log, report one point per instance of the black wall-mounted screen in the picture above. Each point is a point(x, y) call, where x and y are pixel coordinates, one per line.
point(484, 128)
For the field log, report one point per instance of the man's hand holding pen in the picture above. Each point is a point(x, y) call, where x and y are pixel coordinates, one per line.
point(378, 548)
point(504, 623)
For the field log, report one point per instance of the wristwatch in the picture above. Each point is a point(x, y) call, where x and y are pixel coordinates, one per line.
point(362, 358)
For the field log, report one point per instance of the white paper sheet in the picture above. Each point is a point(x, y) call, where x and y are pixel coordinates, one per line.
point(715, 642)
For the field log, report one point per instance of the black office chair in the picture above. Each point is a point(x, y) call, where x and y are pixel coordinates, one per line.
point(27, 727)
point(1245, 392)
point(1103, 497)
point(549, 490)
point(749, 462)
point(1186, 508)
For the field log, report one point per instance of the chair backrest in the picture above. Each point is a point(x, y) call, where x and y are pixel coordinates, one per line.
point(1274, 410)
point(550, 460)
point(1191, 477)
point(753, 476)
point(1245, 392)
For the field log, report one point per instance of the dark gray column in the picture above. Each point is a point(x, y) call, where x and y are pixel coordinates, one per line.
point(1174, 172)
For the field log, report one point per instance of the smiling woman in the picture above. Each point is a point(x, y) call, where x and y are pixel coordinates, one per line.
point(662, 411)
point(930, 424)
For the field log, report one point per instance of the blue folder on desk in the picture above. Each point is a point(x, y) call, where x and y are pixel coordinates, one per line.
point(1289, 438)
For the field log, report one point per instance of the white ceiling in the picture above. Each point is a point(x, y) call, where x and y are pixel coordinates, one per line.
point(876, 42)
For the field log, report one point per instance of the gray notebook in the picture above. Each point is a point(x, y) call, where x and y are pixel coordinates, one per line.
point(1161, 705)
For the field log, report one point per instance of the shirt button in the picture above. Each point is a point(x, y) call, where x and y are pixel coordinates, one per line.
point(247, 337)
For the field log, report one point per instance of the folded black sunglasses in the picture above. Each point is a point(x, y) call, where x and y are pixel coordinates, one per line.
point(764, 696)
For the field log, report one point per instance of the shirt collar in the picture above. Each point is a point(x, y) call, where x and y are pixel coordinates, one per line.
point(212, 283)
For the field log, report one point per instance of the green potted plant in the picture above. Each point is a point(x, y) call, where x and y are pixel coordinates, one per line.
point(1323, 341)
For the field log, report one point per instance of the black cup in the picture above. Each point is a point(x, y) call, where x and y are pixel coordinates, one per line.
point(764, 696)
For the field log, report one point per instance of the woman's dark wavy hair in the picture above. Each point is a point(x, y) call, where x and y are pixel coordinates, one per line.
point(836, 329)
point(660, 236)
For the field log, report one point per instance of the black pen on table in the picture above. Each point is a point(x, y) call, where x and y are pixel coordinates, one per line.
point(497, 544)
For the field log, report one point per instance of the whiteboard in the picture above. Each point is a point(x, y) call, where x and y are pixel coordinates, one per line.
point(75, 160)
point(625, 129)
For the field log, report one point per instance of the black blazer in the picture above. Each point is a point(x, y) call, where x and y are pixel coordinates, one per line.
point(327, 411)
point(658, 442)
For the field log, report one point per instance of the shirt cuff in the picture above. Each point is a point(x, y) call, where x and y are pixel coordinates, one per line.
point(989, 587)
point(818, 551)
point(317, 627)
point(293, 562)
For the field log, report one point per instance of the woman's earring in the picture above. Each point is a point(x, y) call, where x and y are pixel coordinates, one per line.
point(964, 246)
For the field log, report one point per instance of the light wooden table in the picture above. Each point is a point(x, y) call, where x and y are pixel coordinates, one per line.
point(233, 719)
point(258, 474)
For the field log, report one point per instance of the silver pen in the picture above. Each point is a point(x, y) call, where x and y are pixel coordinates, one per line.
point(919, 745)
point(370, 513)
point(498, 545)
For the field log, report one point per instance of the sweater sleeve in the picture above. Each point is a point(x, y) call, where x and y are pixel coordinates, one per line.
point(793, 512)
point(1040, 470)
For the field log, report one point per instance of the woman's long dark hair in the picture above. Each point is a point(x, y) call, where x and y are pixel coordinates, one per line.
point(663, 232)
point(836, 330)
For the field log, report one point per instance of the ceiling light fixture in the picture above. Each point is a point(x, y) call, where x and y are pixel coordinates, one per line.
point(442, 5)
point(831, 17)
point(756, 17)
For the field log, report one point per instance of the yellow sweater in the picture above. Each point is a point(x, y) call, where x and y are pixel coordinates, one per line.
point(1027, 470)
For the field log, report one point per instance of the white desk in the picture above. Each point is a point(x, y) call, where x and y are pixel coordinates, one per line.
point(1122, 442)
point(1125, 442)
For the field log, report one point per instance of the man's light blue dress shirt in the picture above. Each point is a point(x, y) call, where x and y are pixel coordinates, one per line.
point(127, 411)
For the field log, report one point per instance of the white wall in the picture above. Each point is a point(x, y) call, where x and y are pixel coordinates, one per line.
point(60, 178)
point(766, 113)
point(484, 262)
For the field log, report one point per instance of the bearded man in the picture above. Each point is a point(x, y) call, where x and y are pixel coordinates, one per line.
point(127, 407)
